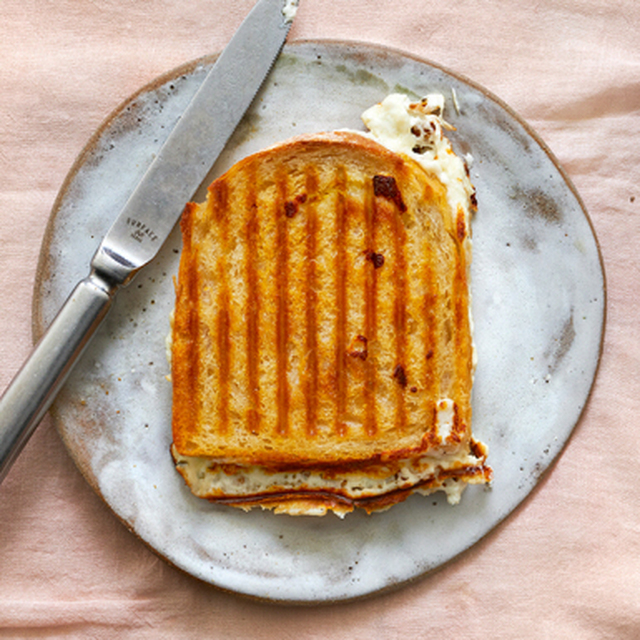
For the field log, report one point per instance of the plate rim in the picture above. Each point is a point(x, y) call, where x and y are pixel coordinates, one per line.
point(42, 272)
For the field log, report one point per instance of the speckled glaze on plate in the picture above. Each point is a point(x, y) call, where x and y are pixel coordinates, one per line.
point(538, 303)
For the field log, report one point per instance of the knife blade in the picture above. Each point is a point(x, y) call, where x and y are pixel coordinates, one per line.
point(146, 220)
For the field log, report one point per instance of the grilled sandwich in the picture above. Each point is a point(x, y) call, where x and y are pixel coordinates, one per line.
point(322, 348)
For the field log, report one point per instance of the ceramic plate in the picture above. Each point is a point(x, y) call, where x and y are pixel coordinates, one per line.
point(538, 303)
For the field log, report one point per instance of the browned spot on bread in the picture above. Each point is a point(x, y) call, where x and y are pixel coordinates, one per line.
point(358, 348)
point(387, 187)
point(376, 259)
point(400, 375)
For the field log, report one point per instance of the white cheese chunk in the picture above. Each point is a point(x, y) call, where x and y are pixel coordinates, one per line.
point(289, 10)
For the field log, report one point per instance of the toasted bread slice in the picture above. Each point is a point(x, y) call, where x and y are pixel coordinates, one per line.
point(322, 353)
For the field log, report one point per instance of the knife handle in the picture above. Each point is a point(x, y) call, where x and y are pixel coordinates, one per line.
point(33, 389)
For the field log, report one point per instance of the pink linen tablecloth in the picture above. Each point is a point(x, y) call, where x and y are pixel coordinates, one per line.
point(566, 564)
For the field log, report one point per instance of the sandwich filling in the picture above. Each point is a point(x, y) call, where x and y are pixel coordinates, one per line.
point(236, 483)
point(447, 459)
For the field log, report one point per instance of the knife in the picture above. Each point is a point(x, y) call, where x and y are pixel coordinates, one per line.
point(147, 218)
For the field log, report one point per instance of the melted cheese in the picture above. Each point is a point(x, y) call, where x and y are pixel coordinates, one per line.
point(444, 417)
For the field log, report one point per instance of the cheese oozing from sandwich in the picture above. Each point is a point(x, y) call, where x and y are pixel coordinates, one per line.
point(334, 383)
point(416, 129)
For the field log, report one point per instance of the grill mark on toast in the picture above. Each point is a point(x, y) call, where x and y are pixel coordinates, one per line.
point(400, 315)
point(220, 197)
point(311, 300)
point(431, 352)
point(341, 304)
point(224, 355)
point(186, 369)
point(370, 313)
point(253, 303)
point(325, 311)
point(357, 344)
point(460, 323)
point(282, 303)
